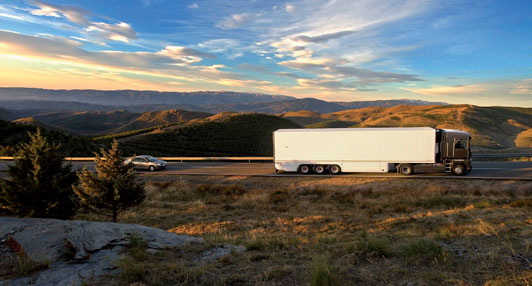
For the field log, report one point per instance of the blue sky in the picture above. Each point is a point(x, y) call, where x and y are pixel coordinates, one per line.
point(474, 52)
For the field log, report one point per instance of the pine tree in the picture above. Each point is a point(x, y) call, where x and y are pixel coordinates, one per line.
point(39, 184)
point(113, 188)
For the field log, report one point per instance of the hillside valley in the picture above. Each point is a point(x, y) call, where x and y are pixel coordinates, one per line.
point(100, 123)
point(190, 133)
point(490, 127)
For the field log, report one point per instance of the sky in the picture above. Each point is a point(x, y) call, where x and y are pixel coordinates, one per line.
point(462, 52)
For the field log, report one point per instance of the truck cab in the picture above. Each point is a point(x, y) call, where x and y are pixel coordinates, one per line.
point(454, 150)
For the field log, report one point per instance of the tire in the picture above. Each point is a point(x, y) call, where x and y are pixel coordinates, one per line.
point(304, 169)
point(319, 169)
point(335, 169)
point(406, 169)
point(459, 170)
point(151, 168)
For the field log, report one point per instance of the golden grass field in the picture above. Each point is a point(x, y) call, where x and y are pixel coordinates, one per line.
point(337, 231)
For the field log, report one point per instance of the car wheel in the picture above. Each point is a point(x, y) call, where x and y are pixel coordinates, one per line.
point(458, 170)
point(319, 169)
point(152, 168)
point(304, 169)
point(334, 169)
point(406, 169)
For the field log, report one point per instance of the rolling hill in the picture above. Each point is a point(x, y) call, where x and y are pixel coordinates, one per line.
point(99, 123)
point(224, 134)
point(15, 133)
point(491, 127)
point(7, 115)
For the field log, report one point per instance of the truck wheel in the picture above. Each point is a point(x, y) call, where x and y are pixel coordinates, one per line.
point(406, 169)
point(334, 169)
point(304, 169)
point(319, 169)
point(458, 170)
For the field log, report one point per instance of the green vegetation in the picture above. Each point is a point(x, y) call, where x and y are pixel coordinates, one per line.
point(125, 134)
point(39, 184)
point(330, 124)
point(324, 273)
point(233, 135)
point(112, 189)
point(19, 264)
point(71, 146)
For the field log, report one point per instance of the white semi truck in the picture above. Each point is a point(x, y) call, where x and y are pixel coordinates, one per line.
point(406, 150)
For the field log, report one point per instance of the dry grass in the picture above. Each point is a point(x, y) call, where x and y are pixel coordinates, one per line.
point(342, 231)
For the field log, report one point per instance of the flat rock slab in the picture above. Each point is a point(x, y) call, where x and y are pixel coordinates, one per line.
point(78, 250)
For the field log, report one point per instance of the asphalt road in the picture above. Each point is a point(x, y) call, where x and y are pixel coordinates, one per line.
point(483, 170)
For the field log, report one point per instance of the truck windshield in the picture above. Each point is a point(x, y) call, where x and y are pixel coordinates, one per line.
point(460, 144)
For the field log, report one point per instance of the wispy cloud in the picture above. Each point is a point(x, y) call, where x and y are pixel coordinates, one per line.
point(73, 14)
point(173, 62)
point(322, 38)
point(117, 32)
point(235, 21)
point(523, 87)
point(448, 90)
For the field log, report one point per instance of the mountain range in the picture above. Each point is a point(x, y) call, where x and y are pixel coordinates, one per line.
point(25, 102)
point(99, 114)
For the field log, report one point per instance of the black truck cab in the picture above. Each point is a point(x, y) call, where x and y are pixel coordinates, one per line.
point(454, 150)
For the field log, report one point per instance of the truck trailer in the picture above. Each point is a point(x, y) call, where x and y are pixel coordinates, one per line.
point(406, 150)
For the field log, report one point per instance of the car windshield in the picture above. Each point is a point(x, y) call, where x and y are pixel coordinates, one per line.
point(151, 159)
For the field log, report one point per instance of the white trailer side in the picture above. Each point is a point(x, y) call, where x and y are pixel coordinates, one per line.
point(353, 149)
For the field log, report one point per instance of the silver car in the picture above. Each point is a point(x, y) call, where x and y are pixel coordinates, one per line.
point(146, 162)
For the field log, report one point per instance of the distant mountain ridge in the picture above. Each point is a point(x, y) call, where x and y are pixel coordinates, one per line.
point(25, 108)
point(136, 97)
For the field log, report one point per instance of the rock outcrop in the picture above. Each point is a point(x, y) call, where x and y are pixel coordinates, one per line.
point(77, 251)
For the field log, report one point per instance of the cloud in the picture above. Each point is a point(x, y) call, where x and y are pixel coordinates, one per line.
point(172, 62)
point(117, 32)
point(325, 84)
point(255, 68)
point(186, 54)
point(367, 76)
point(289, 8)
point(329, 67)
point(73, 14)
point(524, 87)
point(193, 6)
point(447, 90)
point(322, 38)
point(121, 31)
point(235, 21)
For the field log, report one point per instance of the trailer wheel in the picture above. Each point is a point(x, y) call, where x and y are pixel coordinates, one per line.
point(334, 169)
point(319, 169)
point(304, 169)
point(458, 170)
point(406, 169)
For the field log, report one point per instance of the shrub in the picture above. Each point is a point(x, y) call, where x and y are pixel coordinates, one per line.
point(40, 186)
point(113, 188)
point(322, 273)
point(422, 247)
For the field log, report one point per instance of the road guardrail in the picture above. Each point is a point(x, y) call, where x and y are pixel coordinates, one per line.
point(172, 159)
point(249, 159)
point(502, 155)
